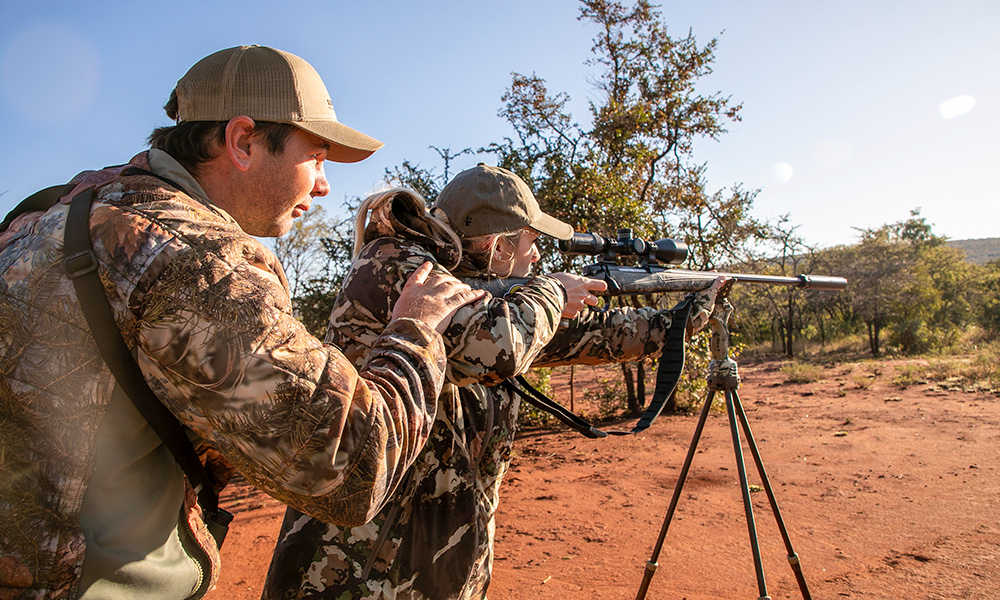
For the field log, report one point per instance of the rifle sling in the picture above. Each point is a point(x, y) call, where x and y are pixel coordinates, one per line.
point(81, 266)
point(542, 402)
point(667, 375)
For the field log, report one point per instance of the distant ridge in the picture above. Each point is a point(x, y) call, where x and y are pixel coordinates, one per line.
point(979, 251)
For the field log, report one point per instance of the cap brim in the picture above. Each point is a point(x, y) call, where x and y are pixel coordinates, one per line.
point(348, 145)
point(552, 226)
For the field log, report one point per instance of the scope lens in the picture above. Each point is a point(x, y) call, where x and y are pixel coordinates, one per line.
point(671, 252)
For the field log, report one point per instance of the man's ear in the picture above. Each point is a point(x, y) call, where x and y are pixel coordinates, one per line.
point(239, 131)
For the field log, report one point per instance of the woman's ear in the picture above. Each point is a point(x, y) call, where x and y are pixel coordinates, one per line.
point(503, 251)
point(505, 248)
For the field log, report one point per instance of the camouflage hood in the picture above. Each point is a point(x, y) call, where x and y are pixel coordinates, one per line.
point(401, 215)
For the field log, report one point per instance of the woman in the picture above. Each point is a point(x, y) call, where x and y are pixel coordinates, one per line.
point(434, 538)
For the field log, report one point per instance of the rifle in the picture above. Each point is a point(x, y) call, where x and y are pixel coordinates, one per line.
point(653, 273)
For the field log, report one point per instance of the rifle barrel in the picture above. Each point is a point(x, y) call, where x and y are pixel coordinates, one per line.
point(808, 282)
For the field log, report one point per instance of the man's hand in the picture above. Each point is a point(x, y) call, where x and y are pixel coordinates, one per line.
point(579, 292)
point(433, 297)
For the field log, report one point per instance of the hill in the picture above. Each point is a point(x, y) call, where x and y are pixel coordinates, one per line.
point(979, 251)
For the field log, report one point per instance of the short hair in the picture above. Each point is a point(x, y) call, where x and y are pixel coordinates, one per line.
point(194, 143)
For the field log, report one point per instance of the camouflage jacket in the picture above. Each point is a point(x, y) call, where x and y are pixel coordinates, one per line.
point(434, 540)
point(206, 309)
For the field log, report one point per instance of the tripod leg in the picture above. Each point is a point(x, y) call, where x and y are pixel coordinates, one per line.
point(793, 558)
point(651, 564)
point(745, 489)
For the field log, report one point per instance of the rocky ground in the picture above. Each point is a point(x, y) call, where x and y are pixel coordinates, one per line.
point(885, 491)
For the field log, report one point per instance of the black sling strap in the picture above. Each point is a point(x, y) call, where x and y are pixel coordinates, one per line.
point(667, 375)
point(81, 267)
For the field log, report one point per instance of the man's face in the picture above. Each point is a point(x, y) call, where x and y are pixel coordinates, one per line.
point(525, 253)
point(282, 186)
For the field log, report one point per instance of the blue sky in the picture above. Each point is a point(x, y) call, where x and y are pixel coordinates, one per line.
point(846, 120)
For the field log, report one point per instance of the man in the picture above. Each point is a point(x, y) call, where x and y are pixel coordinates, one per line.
point(92, 505)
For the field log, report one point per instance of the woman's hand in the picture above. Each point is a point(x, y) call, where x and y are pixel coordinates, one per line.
point(579, 292)
point(704, 304)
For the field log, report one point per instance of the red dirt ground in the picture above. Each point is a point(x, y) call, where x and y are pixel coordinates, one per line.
point(885, 492)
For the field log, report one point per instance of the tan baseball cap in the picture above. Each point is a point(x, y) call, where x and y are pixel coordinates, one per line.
point(484, 200)
point(266, 84)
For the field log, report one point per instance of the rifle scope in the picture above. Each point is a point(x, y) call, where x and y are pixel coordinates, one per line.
point(666, 251)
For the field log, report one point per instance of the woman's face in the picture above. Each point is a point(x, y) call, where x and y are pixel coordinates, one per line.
point(525, 253)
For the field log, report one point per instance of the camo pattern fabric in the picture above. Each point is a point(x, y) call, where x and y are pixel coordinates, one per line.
point(434, 540)
point(207, 310)
point(599, 337)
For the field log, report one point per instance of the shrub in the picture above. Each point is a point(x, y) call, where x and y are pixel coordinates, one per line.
point(610, 398)
point(528, 415)
point(798, 372)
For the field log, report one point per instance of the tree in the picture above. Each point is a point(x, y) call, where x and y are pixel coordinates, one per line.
point(632, 166)
point(787, 255)
point(881, 271)
point(987, 303)
point(423, 180)
point(905, 280)
point(301, 250)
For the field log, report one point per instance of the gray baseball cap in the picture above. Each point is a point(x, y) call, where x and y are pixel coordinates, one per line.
point(266, 84)
point(484, 200)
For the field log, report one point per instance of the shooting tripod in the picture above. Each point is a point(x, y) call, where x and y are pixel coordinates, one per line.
point(723, 376)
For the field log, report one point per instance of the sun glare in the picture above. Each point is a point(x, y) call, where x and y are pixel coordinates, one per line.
point(782, 172)
point(958, 105)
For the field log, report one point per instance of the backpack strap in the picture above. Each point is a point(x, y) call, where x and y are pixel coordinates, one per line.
point(43, 200)
point(80, 264)
point(668, 374)
point(40, 201)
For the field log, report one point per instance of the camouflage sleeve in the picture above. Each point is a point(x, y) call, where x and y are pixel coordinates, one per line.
point(487, 341)
point(496, 338)
point(218, 342)
point(616, 335)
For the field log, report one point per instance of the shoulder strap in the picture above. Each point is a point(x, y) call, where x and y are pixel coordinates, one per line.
point(667, 375)
point(80, 264)
point(43, 200)
point(40, 201)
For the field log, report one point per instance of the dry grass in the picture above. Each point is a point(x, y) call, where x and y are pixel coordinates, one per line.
point(799, 372)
